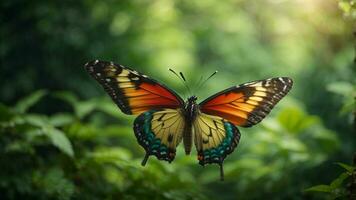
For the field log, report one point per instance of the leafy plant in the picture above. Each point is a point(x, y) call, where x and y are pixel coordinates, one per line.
point(60, 156)
point(348, 92)
point(86, 144)
point(337, 188)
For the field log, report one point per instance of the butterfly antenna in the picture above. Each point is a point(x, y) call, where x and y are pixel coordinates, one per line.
point(198, 82)
point(175, 73)
point(202, 84)
point(185, 83)
point(181, 75)
point(182, 78)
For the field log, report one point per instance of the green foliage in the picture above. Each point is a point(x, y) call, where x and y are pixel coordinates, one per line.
point(284, 146)
point(106, 159)
point(348, 168)
point(68, 141)
point(33, 126)
point(337, 188)
point(53, 184)
point(348, 7)
point(348, 92)
point(23, 105)
point(38, 159)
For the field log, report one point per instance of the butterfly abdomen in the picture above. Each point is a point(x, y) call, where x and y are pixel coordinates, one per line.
point(187, 137)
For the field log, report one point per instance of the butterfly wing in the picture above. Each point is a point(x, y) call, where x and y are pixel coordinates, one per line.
point(247, 104)
point(214, 139)
point(133, 92)
point(159, 132)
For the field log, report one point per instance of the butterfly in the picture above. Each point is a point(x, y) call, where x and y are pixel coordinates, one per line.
point(165, 119)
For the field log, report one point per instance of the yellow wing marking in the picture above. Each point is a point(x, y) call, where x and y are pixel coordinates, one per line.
point(168, 125)
point(209, 131)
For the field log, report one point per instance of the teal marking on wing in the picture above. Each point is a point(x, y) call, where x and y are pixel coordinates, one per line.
point(218, 154)
point(146, 138)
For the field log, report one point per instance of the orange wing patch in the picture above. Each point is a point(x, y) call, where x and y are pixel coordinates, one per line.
point(147, 96)
point(133, 92)
point(226, 98)
point(247, 104)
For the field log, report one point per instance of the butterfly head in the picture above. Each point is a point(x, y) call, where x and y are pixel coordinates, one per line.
point(192, 99)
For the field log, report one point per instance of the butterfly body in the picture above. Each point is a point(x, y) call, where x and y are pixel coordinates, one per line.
point(165, 119)
point(191, 109)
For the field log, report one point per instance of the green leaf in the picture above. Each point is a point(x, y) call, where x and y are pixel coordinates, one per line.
point(23, 105)
point(36, 120)
point(59, 139)
point(345, 6)
point(61, 119)
point(339, 180)
point(112, 154)
point(348, 106)
point(342, 88)
point(81, 108)
point(348, 168)
point(66, 96)
point(107, 106)
point(19, 146)
point(320, 188)
point(296, 120)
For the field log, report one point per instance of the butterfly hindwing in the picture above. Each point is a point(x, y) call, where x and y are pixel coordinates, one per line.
point(247, 104)
point(159, 132)
point(214, 138)
point(133, 92)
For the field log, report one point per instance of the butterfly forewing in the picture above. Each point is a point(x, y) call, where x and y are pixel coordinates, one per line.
point(159, 132)
point(133, 92)
point(247, 104)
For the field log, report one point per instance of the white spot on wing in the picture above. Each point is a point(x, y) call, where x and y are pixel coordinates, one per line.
point(134, 72)
point(257, 84)
point(281, 79)
point(284, 87)
point(96, 62)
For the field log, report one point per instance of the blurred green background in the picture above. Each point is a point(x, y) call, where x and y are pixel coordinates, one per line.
point(61, 137)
